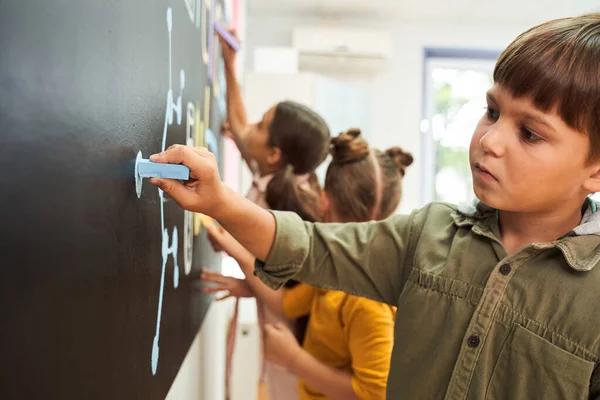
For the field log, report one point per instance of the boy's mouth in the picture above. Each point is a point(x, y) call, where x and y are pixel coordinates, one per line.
point(483, 173)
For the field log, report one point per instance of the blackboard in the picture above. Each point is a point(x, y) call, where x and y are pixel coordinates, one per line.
point(84, 87)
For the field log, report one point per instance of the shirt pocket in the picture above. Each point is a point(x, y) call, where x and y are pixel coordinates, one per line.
point(530, 367)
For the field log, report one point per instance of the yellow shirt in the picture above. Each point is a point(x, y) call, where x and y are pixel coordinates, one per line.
point(345, 332)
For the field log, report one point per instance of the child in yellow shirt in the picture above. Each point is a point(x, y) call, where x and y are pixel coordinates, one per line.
point(348, 342)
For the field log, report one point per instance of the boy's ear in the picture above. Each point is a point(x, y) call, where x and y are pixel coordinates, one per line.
point(592, 184)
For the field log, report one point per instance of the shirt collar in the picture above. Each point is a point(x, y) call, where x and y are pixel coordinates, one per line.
point(580, 248)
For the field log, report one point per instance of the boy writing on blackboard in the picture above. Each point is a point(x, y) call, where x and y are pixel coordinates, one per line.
point(496, 300)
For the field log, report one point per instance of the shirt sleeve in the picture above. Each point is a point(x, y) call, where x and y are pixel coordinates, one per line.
point(369, 328)
point(298, 300)
point(369, 259)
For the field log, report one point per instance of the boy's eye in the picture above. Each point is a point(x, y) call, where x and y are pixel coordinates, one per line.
point(529, 136)
point(492, 114)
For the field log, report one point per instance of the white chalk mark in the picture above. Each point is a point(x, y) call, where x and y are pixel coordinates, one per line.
point(198, 13)
point(211, 141)
point(211, 41)
point(191, 8)
point(206, 30)
point(188, 241)
point(173, 107)
point(138, 178)
point(188, 224)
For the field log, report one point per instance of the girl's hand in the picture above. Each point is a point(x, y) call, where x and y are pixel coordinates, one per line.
point(281, 346)
point(233, 286)
point(221, 240)
point(214, 241)
point(228, 52)
point(226, 129)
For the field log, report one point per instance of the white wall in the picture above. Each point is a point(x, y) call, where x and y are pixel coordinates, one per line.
point(202, 373)
point(396, 94)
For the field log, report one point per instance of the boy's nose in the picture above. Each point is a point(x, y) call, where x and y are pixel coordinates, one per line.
point(492, 142)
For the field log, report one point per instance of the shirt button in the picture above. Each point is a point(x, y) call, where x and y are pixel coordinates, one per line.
point(505, 269)
point(473, 341)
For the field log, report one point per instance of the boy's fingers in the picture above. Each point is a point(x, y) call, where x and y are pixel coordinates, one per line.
point(167, 185)
point(175, 189)
point(179, 154)
point(201, 151)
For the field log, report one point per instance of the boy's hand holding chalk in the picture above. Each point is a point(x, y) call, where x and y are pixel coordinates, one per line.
point(149, 169)
point(203, 192)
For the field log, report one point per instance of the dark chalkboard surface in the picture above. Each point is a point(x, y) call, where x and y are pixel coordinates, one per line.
point(97, 300)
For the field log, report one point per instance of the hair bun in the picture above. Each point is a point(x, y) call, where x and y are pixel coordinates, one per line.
point(348, 147)
point(401, 158)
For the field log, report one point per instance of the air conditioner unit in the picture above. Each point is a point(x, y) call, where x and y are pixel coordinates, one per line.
point(342, 50)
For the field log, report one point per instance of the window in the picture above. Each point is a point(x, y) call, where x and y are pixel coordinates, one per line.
point(454, 101)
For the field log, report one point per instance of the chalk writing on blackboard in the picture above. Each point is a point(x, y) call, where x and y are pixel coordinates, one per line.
point(207, 30)
point(174, 108)
point(191, 8)
point(188, 222)
point(195, 126)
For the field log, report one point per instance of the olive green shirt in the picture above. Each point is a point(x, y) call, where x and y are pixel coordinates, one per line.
point(472, 322)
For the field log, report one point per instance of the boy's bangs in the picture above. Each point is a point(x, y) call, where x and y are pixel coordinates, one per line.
point(557, 65)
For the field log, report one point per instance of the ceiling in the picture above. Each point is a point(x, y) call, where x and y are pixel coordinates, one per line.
point(460, 11)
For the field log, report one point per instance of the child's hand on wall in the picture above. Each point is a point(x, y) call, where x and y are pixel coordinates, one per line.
point(215, 240)
point(221, 240)
point(233, 286)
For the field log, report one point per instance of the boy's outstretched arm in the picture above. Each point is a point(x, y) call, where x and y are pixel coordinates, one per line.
point(367, 259)
point(371, 259)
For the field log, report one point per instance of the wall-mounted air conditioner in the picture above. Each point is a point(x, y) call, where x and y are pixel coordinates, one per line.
point(342, 50)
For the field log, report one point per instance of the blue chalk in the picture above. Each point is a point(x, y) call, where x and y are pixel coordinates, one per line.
point(225, 34)
point(148, 169)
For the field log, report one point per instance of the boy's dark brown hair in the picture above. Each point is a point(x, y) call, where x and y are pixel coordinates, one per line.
point(557, 64)
point(364, 184)
point(303, 139)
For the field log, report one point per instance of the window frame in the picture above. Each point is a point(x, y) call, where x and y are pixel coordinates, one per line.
point(463, 59)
